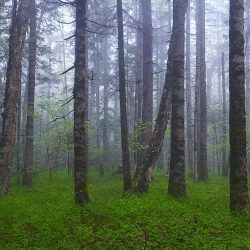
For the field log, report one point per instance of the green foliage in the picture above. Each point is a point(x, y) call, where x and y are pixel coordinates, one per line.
point(45, 217)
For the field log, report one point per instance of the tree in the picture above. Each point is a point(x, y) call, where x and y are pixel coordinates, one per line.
point(190, 148)
point(147, 102)
point(202, 172)
point(177, 185)
point(127, 183)
point(28, 157)
point(12, 93)
point(80, 106)
point(239, 200)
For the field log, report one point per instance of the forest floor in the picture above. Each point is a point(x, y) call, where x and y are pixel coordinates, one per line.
point(45, 217)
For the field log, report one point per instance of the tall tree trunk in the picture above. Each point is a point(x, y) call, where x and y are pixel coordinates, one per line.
point(239, 200)
point(139, 84)
point(247, 49)
point(190, 148)
point(127, 183)
point(147, 103)
point(202, 171)
point(80, 106)
point(1, 100)
point(28, 155)
point(224, 152)
point(13, 85)
point(177, 185)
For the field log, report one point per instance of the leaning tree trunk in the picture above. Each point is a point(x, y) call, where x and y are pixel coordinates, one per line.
point(127, 183)
point(11, 97)
point(239, 200)
point(28, 155)
point(80, 106)
point(155, 146)
point(177, 185)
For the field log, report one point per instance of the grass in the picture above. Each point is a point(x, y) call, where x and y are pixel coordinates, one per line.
point(45, 217)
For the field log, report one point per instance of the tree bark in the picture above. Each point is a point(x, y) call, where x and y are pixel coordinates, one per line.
point(28, 155)
point(80, 106)
point(13, 85)
point(127, 183)
point(177, 185)
point(239, 200)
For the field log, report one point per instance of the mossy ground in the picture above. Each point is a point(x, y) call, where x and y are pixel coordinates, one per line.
point(45, 217)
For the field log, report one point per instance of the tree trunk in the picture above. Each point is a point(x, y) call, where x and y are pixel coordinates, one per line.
point(13, 85)
point(80, 106)
point(127, 184)
point(139, 84)
point(247, 49)
point(189, 110)
point(177, 185)
point(239, 200)
point(28, 155)
point(155, 146)
point(147, 103)
point(202, 171)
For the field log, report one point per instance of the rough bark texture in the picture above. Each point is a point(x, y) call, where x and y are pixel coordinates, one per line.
point(202, 171)
point(13, 85)
point(224, 152)
point(177, 185)
point(80, 106)
point(28, 154)
point(239, 200)
point(127, 183)
point(190, 148)
point(247, 49)
point(1, 100)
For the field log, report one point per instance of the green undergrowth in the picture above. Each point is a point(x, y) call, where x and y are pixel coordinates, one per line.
point(45, 217)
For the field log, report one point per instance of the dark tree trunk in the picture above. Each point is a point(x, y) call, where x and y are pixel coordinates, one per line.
point(127, 183)
point(80, 106)
point(28, 154)
point(247, 58)
point(177, 185)
point(11, 99)
point(239, 200)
